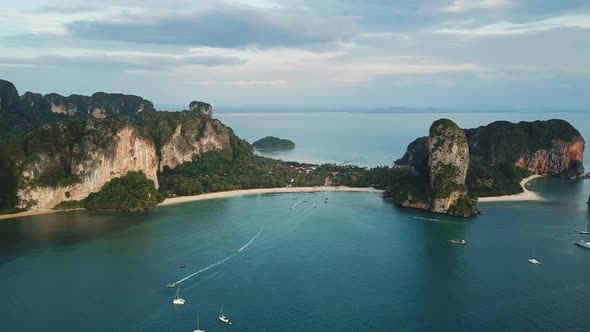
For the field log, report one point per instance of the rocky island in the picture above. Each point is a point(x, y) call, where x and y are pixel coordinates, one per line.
point(273, 143)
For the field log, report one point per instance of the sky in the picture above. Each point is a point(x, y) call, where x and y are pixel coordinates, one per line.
point(349, 54)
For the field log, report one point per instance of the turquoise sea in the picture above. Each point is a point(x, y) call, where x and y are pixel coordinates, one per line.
point(355, 262)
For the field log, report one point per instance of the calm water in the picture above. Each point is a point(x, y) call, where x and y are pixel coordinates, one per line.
point(354, 263)
point(366, 139)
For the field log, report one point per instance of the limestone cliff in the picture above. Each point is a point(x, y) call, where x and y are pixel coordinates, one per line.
point(448, 163)
point(92, 162)
point(552, 147)
point(59, 148)
point(438, 165)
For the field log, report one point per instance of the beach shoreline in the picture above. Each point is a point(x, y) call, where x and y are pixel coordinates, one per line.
point(527, 195)
point(262, 191)
point(217, 195)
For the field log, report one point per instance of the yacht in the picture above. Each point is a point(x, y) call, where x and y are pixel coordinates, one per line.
point(585, 232)
point(177, 299)
point(461, 242)
point(198, 329)
point(222, 317)
point(584, 244)
point(534, 261)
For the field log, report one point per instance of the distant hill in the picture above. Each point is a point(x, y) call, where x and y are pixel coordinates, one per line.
point(273, 143)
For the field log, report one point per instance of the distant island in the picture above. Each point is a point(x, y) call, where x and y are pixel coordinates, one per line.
point(117, 152)
point(273, 143)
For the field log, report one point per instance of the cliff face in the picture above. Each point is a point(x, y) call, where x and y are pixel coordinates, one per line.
point(64, 148)
point(91, 165)
point(552, 147)
point(184, 144)
point(448, 162)
point(439, 165)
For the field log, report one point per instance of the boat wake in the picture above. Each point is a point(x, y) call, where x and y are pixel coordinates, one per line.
point(429, 219)
point(251, 240)
point(174, 284)
point(294, 206)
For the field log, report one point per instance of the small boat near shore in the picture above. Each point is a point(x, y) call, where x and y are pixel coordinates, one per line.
point(583, 244)
point(459, 242)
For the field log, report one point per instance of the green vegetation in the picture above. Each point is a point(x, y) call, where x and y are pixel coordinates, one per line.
point(464, 207)
point(132, 192)
point(273, 143)
point(445, 181)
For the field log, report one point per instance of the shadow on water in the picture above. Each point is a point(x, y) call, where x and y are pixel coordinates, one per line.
point(21, 235)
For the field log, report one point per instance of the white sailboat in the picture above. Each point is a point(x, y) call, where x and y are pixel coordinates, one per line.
point(177, 299)
point(586, 232)
point(222, 317)
point(198, 330)
point(533, 260)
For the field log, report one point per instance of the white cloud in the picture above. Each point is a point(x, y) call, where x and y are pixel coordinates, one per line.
point(581, 21)
point(460, 6)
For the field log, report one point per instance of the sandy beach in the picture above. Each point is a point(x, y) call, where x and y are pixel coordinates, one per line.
point(282, 190)
point(527, 195)
point(223, 194)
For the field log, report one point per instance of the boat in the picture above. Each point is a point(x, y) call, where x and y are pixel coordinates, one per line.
point(177, 299)
point(183, 266)
point(534, 261)
point(222, 317)
point(584, 244)
point(172, 285)
point(460, 242)
point(198, 329)
point(586, 232)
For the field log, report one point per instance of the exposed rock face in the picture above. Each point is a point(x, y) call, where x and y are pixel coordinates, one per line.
point(552, 147)
point(561, 159)
point(448, 163)
point(439, 165)
point(92, 164)
point(184, 144)
point(203, 108)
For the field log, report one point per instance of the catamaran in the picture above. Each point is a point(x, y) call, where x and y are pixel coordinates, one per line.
point(222, 317)
point(198, 330)
point(177, 299)
point(586, 232)
point(584, 244)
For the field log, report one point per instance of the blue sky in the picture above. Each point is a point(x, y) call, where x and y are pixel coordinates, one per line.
point(474, 54)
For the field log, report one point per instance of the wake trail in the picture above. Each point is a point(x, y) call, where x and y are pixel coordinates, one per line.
point(200, 271)
point(216, 263)
point(437, 220)
point(294, 206)
point(251, 240)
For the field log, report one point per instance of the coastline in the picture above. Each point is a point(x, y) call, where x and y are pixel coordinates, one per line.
point(527, 195)
point(217, 195)
point(262, 191)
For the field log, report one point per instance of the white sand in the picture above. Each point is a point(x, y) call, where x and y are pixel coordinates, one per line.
point(282, 190)
point(527, 195)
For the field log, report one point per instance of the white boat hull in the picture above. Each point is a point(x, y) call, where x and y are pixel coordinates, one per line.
point(534, 261)
point(179, 301)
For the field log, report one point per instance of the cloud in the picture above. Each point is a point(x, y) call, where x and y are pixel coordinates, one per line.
point(460, 6)
point(66, 8)
point(121, 61)
point(224, 26)
point(581, 21)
